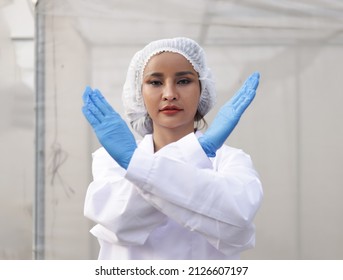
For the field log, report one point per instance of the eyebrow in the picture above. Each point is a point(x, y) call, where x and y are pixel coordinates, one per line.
point(177, 74)
point(183, 73)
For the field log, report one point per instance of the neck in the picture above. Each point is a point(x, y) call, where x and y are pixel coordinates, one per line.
point(163, 137)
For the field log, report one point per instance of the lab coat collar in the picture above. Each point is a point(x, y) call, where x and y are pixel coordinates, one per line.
point(147, 143)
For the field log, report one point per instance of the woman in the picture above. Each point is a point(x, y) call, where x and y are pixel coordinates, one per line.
point(178, 193)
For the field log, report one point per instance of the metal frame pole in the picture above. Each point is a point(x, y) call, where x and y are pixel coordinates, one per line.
point(39, 199)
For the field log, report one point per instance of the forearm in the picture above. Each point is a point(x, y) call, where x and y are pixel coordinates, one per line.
point(231, 194)
point(219, 204)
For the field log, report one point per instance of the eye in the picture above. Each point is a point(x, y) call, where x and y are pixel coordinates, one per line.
point(184, 81)
point(154, 83)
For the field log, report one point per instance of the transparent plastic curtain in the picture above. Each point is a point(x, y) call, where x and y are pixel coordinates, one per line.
point(16, 138)
point(62, 232)
point(292, 130)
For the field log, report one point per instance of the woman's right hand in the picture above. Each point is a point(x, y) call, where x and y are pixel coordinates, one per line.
point(111, 130)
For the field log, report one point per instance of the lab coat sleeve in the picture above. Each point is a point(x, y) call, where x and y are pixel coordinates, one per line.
point(121, 214)
point(218, 199)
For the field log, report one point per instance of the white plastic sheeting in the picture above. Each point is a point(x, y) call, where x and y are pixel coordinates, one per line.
point(292, 130)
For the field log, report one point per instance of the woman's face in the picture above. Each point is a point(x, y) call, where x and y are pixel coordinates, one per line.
point(171, 92)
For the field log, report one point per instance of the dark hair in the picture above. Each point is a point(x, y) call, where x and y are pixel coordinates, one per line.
point(200, 122)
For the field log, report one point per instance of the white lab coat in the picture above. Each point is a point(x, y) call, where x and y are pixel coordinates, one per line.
point(174, 204)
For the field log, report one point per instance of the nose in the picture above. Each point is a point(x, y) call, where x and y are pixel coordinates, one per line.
point(169, 93)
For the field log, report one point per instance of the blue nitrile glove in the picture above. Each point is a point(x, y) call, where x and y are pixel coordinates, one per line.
point(111, 130)
point(228, 116)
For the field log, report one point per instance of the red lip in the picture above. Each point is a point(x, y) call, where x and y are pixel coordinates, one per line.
point(170, 109)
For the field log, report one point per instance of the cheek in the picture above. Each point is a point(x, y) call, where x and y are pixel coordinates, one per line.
point(149, 101)
point(192, 104)
point(194, 99)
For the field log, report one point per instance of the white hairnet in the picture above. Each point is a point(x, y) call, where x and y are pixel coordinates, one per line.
point(132, 97)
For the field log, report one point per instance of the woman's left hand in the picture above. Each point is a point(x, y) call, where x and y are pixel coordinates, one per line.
point(228, 116)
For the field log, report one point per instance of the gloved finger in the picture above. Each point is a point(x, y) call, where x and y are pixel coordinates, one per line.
point(253, 80)
point(242, 91)
point(98, 100)
point(245, 102)
point(86, 94)
point(94, 110)
point(101, 103)
point(250, 83)
point(89, 116)
point(250, 91)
